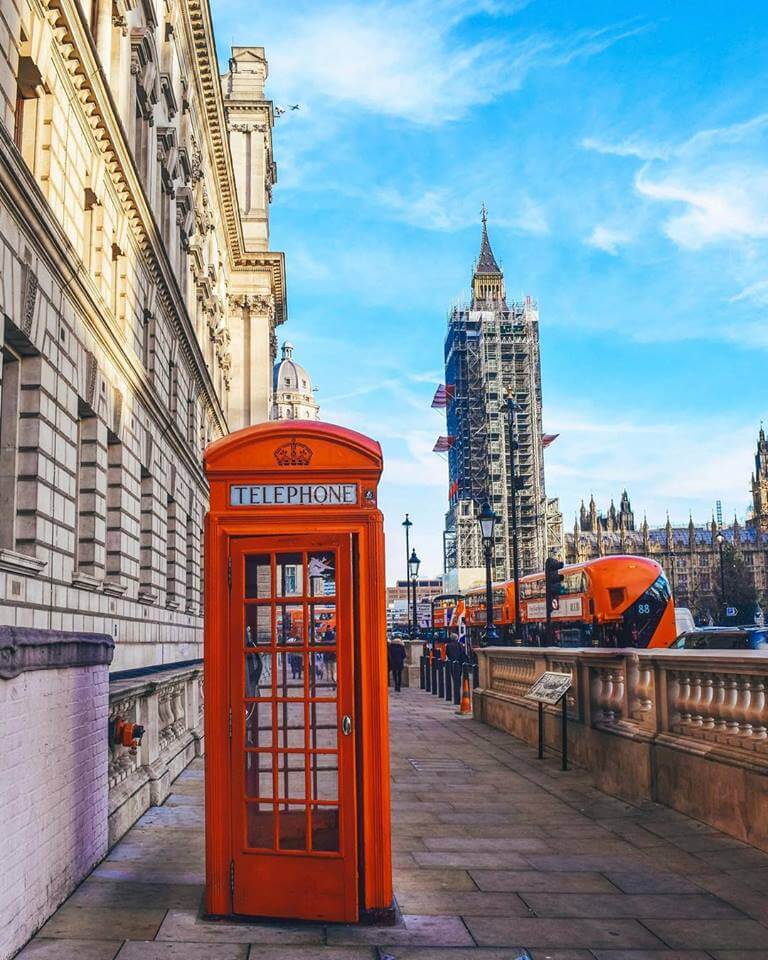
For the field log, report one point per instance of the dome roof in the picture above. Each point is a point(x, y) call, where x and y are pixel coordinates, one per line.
point(289, 376)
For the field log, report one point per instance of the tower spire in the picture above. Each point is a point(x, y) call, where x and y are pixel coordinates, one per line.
point(488, 280)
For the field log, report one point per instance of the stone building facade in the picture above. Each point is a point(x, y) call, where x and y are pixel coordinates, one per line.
point(293, 396)
point(139, 302)
point(689, 554)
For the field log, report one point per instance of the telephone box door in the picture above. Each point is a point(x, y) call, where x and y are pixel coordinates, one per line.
point(294, 811)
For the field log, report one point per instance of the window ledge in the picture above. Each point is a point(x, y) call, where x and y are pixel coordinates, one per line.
point(148, 596)
point(20, 562)
point(85, 581)
point(115, 588)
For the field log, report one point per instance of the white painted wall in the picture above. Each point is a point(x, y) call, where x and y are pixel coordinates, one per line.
point(53, 792)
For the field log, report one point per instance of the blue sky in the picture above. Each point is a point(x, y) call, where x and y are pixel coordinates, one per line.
point(622, 151)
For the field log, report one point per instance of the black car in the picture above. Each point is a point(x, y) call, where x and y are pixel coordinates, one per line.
point(724, 638)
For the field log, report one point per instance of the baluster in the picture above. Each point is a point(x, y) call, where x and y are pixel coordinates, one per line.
point(730, 706)
point(707, 696)
point(685, 699)
point(695, 700)
point(757, 710)
point(742, 708)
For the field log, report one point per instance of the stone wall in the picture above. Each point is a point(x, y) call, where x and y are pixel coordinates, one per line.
point(168, 703)
point(688, 729)
point(135, 326)
point(53, 772)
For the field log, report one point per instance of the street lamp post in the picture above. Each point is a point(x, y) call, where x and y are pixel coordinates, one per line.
point(407, 524)
point(413, 572)
point(720, 542)
point(512, 408)
point(487, 520)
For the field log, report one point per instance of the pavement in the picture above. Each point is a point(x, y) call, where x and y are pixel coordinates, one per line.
point(495, 853)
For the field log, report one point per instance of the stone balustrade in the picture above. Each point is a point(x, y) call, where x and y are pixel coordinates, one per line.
point(685, 728)
point(168, 703)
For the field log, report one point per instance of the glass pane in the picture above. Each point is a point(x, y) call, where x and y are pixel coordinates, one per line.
point(291, 779)
point(258, 675)
point(290, 575)
point(258, 724)
point(258, 626)
point(258, 576)
point(290, 625)
point(293, 826)
point(291, 667)
point(323, 725)
point(325, 776)
point(325, 828)
point(322, 574)
point(260, 825)
point(322, 675)
point(290, 724)
point(258, 775)
point(322, 624)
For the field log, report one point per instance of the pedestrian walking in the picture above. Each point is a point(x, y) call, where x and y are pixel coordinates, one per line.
point(396, 658)
point(329, 656)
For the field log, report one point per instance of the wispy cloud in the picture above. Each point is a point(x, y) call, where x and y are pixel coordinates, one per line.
point(608, 239)
point(754, 293)
point(712, 188)
point(411, 59)
point(687, 470)
point(449, 209)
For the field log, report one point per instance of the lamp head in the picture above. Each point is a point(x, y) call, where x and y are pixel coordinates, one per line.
point(487, 520)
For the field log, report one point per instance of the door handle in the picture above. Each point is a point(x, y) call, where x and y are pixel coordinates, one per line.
point(346, 725)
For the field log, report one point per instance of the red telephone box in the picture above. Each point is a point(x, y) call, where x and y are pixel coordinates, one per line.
point(297, 751)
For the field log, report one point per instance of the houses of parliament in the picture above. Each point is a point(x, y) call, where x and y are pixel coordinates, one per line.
point(688, 554)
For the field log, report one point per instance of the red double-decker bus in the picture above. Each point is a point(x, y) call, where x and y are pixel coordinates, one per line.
point(617, 601)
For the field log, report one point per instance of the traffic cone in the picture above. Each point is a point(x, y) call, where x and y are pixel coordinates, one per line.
point(466, 701)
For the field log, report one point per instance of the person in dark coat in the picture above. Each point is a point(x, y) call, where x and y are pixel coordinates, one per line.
point(396, 657)
point(455, 651)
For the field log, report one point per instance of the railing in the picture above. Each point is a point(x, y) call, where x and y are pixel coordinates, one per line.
point(685, 728)
point(168, 703)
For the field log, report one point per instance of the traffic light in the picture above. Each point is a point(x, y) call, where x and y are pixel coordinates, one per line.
point(553, 580)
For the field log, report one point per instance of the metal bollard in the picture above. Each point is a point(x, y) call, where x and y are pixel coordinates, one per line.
point(449, 680)
point(456, 682)
point(475, 674)
point(428, 673)
point(441, 678)
point(434, 673)
point(422, 671)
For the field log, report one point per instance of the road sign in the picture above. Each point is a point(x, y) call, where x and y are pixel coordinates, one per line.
point(550, 687)
point(731, 611)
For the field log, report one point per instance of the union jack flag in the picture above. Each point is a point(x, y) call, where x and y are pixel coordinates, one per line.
point(443, 444)
point(443, 396)
point(548, 438)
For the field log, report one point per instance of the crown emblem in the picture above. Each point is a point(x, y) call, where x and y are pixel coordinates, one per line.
point(293, 454)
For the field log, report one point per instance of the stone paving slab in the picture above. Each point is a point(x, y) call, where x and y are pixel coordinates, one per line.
point(462, 903)
point(430, 931)
point(521, 881)
point(510, 855)
point(130, 895)
point(545, 932)
point(42, 948)
point(710, 934)
point(92, 923)
point(154, 950)
point(632, 905)
point(186, 925)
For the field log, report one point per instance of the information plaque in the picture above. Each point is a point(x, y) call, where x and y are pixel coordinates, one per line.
point(550, 687)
